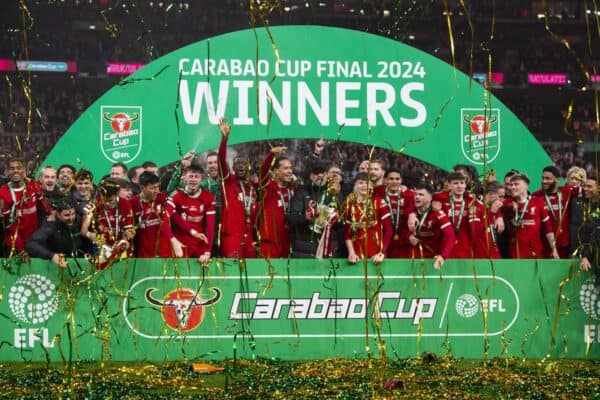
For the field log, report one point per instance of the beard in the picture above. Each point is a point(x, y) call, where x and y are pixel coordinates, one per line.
point(552, 187)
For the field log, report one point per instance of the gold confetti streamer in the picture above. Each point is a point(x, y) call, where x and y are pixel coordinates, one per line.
point(568, 118)
point(472, 30)
point(447, 14)
point(563, 41)
point(528, 335)
point(558, 302)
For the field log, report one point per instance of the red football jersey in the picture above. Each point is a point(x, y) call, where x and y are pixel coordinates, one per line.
point(368, 226)
point(486, 246)
point(467, 217)
point(153, 230)
point(193, 211)
point(436, 235)
point(399, 208)
point(240, 211)
point(112, 222)
point(19, 209)
point(274, 234)
point(527, 224)
point(275, 203)
point(558, 205)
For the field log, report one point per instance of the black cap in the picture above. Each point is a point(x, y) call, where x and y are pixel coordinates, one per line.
point(317, 167)
point(64, 203)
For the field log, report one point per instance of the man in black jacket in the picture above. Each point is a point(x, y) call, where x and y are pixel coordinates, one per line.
point(312, 217)
point(587, 215)
point(59, 239)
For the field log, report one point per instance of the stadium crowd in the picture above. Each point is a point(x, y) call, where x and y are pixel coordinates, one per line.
point(131, 32)
point(56, 104)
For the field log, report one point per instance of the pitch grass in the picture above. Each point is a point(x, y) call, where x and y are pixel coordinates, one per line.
point(424, 378)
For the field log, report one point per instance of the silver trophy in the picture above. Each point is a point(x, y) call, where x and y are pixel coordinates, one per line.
point(324, 214)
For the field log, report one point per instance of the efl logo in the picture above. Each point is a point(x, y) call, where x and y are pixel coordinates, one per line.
point(121, 132)
point(183, 309)
point(589, 299)
point(33, 300)
point(467, 305)
point(480, 134)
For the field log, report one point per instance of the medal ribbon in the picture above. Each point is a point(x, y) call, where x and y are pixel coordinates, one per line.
point(549, 204)
point(248, 200)
point(493, 233)
point(395, 216)
point(13, 207)
point(114, 237)
point(286, 205)
point(518, 221)
point(422, 221)
point(453, 213)
point(142, 212)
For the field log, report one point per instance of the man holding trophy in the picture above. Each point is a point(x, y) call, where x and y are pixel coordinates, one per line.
point(108, 224)
point(313, 216)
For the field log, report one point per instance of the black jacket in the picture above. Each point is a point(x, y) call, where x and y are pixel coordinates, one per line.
point(304, 240)
point(585, 233)
point(56, 237)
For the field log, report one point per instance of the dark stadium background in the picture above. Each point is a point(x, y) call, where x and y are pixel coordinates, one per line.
point(518, 37)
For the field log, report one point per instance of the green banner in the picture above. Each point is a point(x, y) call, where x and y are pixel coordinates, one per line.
point(152, 309)
point(300, 82)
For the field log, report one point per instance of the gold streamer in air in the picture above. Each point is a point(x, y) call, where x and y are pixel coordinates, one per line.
point(26, 17)
point(577, 135)
point(111, 28)
point(558, 301)
point(450, 35)
point(487, 48)
point(472, 30)
point(366, 297)
point(563, 41)
point(587, 26)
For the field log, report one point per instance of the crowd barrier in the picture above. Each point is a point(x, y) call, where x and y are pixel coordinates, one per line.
point(159, 310)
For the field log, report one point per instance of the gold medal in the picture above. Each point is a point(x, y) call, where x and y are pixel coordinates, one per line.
point(248, 220)
point(518, 221)
point(396, 236)
point(519, 224)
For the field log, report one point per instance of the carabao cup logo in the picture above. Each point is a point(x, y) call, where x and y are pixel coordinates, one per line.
point(182, 309)
point(467, 305)
point(589, 298)
point(121, 132)
point(33, 299)
point(121, 122)
point(480, 134)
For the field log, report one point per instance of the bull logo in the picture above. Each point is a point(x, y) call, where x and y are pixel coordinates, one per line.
point(121, 132)
point(182, 309)
point(480, 134)
point(121, 122)
point(480, 123)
